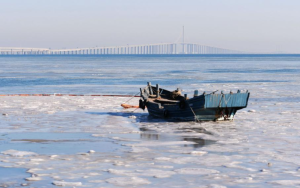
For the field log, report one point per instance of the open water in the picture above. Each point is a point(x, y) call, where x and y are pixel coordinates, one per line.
point(44, 140)
point(125, 74)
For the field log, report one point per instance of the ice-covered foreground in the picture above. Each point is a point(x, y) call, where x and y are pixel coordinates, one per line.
point(92, 142)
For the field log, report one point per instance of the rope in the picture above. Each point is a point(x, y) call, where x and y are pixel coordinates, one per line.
point(221, 101)
point(227, 100)
point(135, 110)
point(197, 120)
point(223, 96)
point(131, 97)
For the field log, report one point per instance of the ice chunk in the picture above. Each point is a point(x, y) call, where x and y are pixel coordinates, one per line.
point(98, 135)
point(156, 173)
point(33, 178)
point(196, 171)
point(286, 182)
point(37, 160)
point(216, 186)
point(198, 152)
point(139, 150)
point(33, 170)
point(128, 181)
point(17, 153)
point(163, 158)
point(96, 181)
point(63, 183)
point(120, 172)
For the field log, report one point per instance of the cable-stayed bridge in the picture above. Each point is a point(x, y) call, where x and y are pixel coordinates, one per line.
point(147, 49)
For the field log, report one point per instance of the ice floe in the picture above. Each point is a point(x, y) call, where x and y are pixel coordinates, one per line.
point(147, 149)
point(63, 183)
point(196, 171)
point(128, 181)
point(17, 153)
point(286, 182)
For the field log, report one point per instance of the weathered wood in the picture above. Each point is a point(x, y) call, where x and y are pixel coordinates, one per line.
point(157, 90)
point(203, 107)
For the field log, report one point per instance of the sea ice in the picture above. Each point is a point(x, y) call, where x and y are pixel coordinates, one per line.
point(213, 186)
point(132, 117)
point(121, 172)
point(286, 182)
point(63, 183)
point(37, 160)
point(16, 153)
point(196, 171)
point(128, 181)
point(198, 152)
point(36, 178)
point(157, 173)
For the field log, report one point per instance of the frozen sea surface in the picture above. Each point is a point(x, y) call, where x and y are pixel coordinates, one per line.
point(87, 141)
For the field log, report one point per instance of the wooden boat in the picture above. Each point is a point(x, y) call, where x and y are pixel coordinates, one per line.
point(171, 104)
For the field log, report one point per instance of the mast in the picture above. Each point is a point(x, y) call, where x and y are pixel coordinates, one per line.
point(183, 35)
point(183, 40)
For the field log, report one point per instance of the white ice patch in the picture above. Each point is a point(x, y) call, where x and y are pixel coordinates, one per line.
point(132, 117)
point(198, 152)
point(139, 150)
point(163, 159)
point(16, 153)
point(128, 181)
point(196, 171)
point(158, 173)
point(98, 135)
point(33, 179)
point(63, 183)
point(120, 172)
point(229, 141)
point(213, 186)
point(234, 164)
point(37, 160)
point(33, 170)
point(96, 181)
point(286, 182)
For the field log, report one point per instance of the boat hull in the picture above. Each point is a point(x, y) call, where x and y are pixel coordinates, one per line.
point(206, 107)
point(202, 114)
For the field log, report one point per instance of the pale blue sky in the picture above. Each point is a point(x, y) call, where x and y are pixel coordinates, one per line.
point(248, 25)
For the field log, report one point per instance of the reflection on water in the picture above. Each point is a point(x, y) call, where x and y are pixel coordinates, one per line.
point(196, 129)
point(199, 142)
point(148, 134)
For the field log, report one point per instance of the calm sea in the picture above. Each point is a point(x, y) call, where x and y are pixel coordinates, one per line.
point(126, 74)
